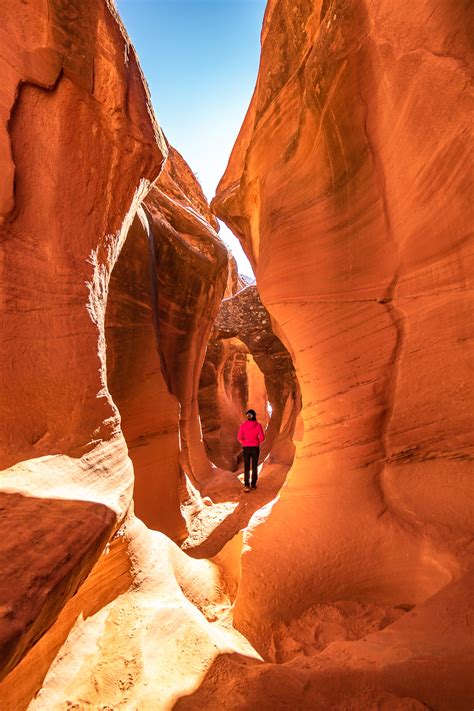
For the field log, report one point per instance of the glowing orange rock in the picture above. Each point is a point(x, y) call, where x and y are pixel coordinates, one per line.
point(350, 187)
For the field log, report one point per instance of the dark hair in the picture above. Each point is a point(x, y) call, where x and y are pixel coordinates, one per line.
point(253, 413)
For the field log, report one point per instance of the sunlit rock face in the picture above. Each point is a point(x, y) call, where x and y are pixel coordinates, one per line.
point(235, 281)
point(350, 187)
point(79, 147)
point(149, 412)
point(140, 632)
point(165, 290)
point(72, 97)
point(191, 267)
point(231, 382)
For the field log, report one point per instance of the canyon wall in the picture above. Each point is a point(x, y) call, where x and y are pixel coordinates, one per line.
point(80, 150)
point(247, 366)
point(191, 266)
point(349, 187)
point(165, 291)
point(354, 166)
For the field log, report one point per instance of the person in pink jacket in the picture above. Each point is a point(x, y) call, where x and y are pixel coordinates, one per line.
point(250, 436)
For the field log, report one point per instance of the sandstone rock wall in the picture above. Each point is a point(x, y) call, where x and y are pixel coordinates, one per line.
point(73, 100)
point(80, 150)
point(191, 266)
point(231, 382)
point(165, 290)
point(79, 147)
point(354, 166)
point(149, 412)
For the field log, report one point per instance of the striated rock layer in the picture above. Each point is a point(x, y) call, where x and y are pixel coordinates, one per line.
point(350, 188)
point(165, 291)
point(79, 148)
point(148, 411)
point(231, 382)
point(191, 267)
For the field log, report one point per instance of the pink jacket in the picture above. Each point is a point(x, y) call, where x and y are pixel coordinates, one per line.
point(250, 433)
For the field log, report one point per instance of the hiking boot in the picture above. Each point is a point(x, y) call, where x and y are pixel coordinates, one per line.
point(246, 489)
point(254, 486)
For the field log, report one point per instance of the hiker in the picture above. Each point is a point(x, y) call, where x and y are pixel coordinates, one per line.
point(250, 436)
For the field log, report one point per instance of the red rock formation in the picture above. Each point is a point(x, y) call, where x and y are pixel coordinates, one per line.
point(349, 187)
point(191, 273)
point(353, 150)
point(165, 290)
point(79, 147)
point(235, 281)
point(149, 413)
point(232, 381)
point(73, 96)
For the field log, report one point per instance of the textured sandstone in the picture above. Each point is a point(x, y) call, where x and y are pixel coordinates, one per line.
point(149, 413)
point(191, 266)
point(230, 382)
point(79, 147)
point(141, 632)
point(350, 190)
point(59, 241)
point(353, 166)
point(165, 290)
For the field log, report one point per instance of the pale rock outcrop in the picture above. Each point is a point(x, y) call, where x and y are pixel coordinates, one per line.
point(350, 188)
point(141, 632)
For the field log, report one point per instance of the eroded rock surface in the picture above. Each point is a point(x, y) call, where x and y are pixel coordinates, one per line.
point(79, 149)
point(165, 290)
point(349, 187)
point(149, 412)
point(191, 266)
point(231, 382)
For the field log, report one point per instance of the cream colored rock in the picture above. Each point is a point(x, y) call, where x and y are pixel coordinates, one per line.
point(141, 632)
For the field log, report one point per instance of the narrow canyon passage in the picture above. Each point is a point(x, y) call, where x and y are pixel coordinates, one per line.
point(136, 572)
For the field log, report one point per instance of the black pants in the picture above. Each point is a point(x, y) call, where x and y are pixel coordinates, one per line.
point(251, 454)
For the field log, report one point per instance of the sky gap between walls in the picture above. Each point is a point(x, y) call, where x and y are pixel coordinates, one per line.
point(200, 59)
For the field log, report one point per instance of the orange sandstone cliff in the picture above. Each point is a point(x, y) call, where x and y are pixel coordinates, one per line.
point(165, 291)
point(350, 187)
point(79, 148)
point(81, 312)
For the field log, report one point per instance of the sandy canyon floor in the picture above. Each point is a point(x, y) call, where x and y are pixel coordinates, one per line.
point(152, 626)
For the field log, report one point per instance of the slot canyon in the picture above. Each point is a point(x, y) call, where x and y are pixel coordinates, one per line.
point(136, 572)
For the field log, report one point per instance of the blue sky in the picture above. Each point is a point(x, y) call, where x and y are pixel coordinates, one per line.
point(200, 58)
